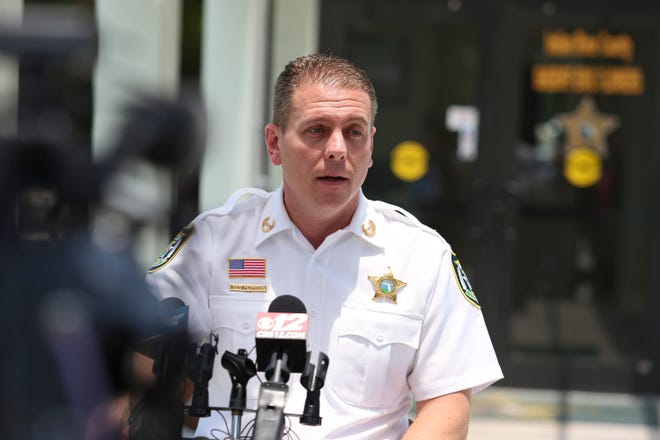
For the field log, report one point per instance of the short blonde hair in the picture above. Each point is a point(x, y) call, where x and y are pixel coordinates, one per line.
point(318, 69)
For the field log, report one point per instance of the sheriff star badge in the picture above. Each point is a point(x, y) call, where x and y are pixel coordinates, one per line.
point(386, 286)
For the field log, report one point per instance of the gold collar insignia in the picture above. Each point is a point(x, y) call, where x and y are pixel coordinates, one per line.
point(369, 228)
point(267, 224)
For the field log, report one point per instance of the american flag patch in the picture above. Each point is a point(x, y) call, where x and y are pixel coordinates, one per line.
point(247, 268)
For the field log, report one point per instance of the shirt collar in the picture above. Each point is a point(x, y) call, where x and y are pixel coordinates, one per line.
point(274, 218)
point(366, 224)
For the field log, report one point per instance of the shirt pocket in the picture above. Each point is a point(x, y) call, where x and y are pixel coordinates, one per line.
point(234, 321)
point(373, 356)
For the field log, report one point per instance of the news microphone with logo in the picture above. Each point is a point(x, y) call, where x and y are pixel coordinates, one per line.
point(281, 340)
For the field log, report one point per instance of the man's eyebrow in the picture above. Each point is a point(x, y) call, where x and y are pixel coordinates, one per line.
point(323, 119)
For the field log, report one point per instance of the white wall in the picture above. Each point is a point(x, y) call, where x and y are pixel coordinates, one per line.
point(234, 53)
point(295, 33)
point(139, 53)
point(237, 83)
point(11, 12)
point(245, 44)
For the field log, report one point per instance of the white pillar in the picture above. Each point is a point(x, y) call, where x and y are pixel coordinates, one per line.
point(11, 12)
point(234, 55)
point(138, 53)
point(237, 84)
point(295, 33)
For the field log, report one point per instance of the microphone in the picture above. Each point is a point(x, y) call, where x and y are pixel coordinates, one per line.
point(241, 369)
point(159, 414)
point(281, 338)
point(200, 371)
point(171, 316)
point(313, 379)
point(171, 345)
point(281, 335)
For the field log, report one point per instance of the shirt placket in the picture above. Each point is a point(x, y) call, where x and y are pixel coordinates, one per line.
point(316, 285)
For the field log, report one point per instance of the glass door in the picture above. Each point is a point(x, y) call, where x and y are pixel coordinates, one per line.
point(586, 152)
point(524, 133)
point(424, 62)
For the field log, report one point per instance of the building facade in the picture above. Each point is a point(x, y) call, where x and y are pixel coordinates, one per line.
point(523, 131)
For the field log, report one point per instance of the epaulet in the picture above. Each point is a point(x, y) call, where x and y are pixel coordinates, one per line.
point(243, 197)
point(396, 213)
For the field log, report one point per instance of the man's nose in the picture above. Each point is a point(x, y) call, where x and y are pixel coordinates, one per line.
point(336, 147)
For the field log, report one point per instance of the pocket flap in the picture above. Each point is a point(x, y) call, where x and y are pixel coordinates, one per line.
point(237, 314)
point(381, 327)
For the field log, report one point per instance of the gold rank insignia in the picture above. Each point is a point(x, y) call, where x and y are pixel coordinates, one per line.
point(386, 286)
point(267, 224)
point(369, 228)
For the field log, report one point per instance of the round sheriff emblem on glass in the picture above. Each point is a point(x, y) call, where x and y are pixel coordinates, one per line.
point(386, 286)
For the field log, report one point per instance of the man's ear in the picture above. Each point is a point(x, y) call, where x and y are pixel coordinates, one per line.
point(273, 135)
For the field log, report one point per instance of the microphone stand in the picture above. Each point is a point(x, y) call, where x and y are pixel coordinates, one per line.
point(269, 422)
point(241, 369)
point(313, 379)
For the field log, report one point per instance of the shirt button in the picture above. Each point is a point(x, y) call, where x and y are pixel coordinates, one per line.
point(380, 337)
point(245, 326)
point(312, 313)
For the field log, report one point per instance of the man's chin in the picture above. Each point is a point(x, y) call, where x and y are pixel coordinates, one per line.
point(337, 201)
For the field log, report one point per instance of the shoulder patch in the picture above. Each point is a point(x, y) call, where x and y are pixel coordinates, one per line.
point(463, 282)
point(177, 243)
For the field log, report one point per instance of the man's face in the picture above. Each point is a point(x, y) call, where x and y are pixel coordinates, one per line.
point(325, 149)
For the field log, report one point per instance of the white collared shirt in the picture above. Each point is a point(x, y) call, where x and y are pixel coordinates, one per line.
point(383, 353)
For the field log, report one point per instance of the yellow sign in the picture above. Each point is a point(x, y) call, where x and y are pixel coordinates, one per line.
point(409, 161)
point(579, 43)
point(587, 79)
point(594, 77)
point(582, 167)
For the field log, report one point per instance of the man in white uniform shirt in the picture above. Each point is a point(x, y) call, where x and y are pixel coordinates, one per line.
point(387, 298)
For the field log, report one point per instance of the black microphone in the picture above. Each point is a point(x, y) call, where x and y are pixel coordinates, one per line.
point(241, 369)
point(200, 371)
point(281, 338)
point(159, 414)
point(313, 379)
point(171, 316)
point(171, 345)
point(281, 348)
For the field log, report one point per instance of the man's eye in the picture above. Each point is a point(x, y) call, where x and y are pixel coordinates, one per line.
point(354, 133)
point(315, 130)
